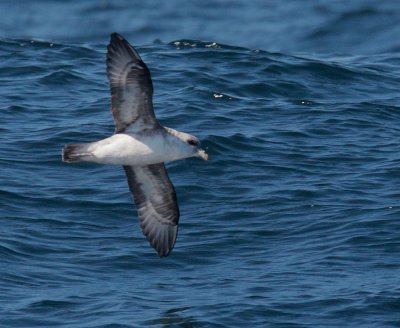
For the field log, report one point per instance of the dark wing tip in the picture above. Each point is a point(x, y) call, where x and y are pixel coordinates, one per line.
point(162, 238)
point(115, 35)
point(119, 43)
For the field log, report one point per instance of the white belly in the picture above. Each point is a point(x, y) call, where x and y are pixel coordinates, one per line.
point(124, 149)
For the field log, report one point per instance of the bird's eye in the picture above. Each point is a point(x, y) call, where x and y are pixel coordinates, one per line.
point(192, 142)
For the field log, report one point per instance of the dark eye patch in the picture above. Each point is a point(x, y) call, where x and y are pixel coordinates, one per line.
point(192, 142)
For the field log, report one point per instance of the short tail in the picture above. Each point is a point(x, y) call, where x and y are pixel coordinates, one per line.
point(75, 152)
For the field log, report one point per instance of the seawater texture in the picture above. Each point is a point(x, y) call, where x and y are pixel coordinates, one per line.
point(293, 222)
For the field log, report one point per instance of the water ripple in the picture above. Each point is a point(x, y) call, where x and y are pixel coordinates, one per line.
point(292, 222)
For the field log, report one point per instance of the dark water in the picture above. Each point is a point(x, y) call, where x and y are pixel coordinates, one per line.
point(294, 221)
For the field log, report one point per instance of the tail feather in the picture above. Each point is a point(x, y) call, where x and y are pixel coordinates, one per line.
point(74, 152)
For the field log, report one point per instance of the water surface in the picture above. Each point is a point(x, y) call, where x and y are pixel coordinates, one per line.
point(294, 220)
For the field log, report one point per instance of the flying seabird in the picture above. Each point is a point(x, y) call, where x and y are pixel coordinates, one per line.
point(140, 144)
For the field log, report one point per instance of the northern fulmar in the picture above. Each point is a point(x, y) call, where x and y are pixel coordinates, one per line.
point(140, 144)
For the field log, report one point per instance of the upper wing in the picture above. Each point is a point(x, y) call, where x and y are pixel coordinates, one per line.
point(156, 203)
point(131, 86)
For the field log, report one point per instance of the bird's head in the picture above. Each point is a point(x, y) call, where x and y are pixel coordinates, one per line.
point(189, 145)
point(195, 146)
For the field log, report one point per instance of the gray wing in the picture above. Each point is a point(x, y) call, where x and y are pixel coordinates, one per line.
point(155, 200)
point(131, 87)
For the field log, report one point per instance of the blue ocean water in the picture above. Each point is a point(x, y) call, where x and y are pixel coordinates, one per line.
point(294, 220)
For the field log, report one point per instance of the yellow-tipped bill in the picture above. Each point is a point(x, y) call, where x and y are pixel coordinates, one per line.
point(201, 153)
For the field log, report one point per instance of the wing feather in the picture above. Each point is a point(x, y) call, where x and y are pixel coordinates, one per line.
point(155, 200)
point(131, 87)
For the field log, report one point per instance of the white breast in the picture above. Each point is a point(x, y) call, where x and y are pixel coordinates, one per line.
point(124, 149)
